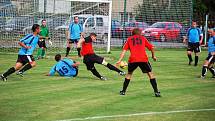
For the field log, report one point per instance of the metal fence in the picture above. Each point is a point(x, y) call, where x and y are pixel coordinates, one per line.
point(163, 22)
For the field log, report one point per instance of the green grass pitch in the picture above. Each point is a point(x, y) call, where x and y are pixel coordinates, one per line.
point(36, 97)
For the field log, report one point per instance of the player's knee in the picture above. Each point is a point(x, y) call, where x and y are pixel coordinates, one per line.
point(104, 62)
point(33, 64)
point(151, 75)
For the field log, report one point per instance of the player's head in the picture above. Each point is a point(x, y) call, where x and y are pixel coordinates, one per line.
point(136, 31)
point(93, 36)
point(58, 57)
point(36, 28)
point(76, 19)
point(43, 22)
point(194, 24)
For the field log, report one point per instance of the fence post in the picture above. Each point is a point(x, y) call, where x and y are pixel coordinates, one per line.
point(206, 28)
point(123, 34)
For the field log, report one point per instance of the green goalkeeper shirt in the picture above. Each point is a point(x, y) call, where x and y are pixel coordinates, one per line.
point(44, 31)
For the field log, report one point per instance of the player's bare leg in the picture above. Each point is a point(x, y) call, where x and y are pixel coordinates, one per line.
point(11, 70)
point(207, 66)
point(154, 83)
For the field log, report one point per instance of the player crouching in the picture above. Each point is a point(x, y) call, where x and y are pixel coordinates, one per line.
point(136, 44)
point(209, 61)
point(90, 58)
point(64, 67)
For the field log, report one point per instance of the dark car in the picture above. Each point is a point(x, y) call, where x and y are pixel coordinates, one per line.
point(163, 31)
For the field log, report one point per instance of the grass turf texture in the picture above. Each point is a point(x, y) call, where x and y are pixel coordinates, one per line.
point(42, 98)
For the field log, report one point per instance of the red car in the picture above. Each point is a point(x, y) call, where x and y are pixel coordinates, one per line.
point(163, 31)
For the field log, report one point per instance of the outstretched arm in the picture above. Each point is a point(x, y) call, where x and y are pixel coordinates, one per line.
point(121, 56)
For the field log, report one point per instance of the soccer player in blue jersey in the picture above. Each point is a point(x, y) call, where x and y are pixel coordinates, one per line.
point(25, 59)
point(195, 37)
point(73, 35)
point(209, 61)
point(64, 67)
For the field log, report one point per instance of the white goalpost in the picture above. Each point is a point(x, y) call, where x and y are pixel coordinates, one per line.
point(104, 28)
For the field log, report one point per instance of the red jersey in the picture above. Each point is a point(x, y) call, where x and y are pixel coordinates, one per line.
point(87, 47)
point(137, 44)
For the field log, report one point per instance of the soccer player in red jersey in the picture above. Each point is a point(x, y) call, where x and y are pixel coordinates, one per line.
point(90, 58)
point(136, 44)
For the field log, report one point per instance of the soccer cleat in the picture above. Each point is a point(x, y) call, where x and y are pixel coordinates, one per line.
point(20, 73)
point(103, 78)
point(3, 78)
point(157, 94)
point(202, 77)
point(121, 92)
point(122, 73)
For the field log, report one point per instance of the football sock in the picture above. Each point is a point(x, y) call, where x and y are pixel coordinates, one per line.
point(190, 57)
point(39, 52)
point(43, 53)
point(95, 72)
point(9, 71)
point(125, 84)
point(79, 51)
point(111, 67)
point(212, 70)
point(25, 68)
point(196, 60)
point(67, 51)
point(204, 70)
point(154, 84)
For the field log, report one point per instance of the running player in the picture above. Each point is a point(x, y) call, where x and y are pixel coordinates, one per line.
point(25, 59)
point(90, 58)
point(136, 44)
point(195, 37)
point(64, 67)
point(209, 61)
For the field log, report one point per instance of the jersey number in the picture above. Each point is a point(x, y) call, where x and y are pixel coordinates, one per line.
point(136, 41)
point(64, 70)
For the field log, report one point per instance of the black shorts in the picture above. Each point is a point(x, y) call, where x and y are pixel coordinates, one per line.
point(194, 47)
point(73, 41)
point(25, 59)
point(42, 43)
point(76, 72)
point(210, 58)
point(90, 60)
point(144, 66)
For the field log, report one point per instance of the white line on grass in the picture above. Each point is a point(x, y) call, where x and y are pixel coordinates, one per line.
point(137, 114)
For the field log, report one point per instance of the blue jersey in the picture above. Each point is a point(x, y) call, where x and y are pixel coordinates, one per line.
point(29, 40)
point(75, 30)
point(211, 44)
point(194, 35)
point(64, 68)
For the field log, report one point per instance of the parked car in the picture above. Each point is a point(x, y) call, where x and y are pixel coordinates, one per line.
point(91, 23)
point(131, 25)
point(163, 31)
point(16, 24)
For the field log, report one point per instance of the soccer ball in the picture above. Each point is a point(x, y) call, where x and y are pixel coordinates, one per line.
point(123, 64)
